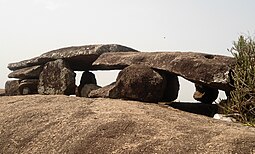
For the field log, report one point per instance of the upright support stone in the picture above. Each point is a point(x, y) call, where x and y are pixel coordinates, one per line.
point(139, 82)
point(172, 87)
point(57, 79)
point(86, 78)
point(205, 94)
point(12, 88)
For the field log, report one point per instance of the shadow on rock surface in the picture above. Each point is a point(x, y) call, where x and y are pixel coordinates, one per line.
point(198, 108)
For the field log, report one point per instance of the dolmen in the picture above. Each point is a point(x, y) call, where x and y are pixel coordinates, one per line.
point(52, 73)
point(144, 76)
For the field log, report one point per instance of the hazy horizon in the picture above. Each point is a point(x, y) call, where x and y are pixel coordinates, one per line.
point(32, 27)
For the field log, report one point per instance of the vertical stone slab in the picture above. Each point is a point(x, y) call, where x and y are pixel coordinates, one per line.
point(86, 78)
point(57, 78)
point(139, 82)
point(172, 87)
point(12, 88)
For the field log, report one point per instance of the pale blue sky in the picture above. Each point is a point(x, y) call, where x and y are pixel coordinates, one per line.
point(29, 28)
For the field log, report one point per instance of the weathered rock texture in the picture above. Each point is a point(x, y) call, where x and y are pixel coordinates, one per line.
point(57, 78)
point(87, 88)
point(12, 88)
point(80, 58)
point(103, 92)
point(27, 73)
point(139, 82)
point(202, 69)
point(205, 69)
point(205, 94)
point(61, 124)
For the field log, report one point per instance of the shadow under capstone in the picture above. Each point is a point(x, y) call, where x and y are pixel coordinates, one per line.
point(197, 108)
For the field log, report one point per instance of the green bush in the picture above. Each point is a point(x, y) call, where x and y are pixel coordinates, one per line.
point(241, 104)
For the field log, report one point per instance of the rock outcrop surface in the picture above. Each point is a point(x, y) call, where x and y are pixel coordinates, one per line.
point(61, 124)
point(205, 69)
point(57, 78)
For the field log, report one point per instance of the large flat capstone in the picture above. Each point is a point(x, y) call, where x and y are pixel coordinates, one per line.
point(204, 69)
point(32, 72)
point(79, 57)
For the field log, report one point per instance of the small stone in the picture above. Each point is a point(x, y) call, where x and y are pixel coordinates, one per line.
point(102, 92)
point(224, 117)
point(205, 94)
point(12, 88)
point(29, 86)
point(87, 88)
point(2, 92)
